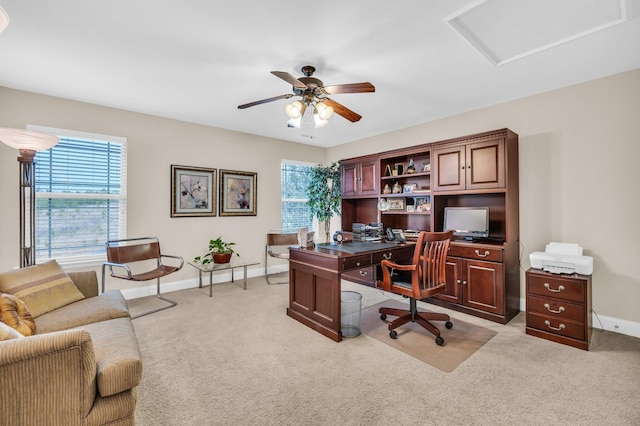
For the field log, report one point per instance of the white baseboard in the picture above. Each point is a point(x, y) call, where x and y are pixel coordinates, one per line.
point(221, 277)
point(603, 322)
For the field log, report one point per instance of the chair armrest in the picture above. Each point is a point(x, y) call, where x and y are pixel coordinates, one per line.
point(387, 266)
point(173, 257)
point(47, 376)
point(86, 281)
point(112, 265)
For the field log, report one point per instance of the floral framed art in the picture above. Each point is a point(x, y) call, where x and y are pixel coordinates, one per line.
point(238, 193)
point(193, 191)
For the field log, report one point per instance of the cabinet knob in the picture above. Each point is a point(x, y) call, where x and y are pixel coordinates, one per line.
point(458, 281)
point(560, 309)
point(548, 324)
point(464, 283)
point(357, 263)
point(548, 287)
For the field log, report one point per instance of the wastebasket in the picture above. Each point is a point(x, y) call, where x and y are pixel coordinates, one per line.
point(350, 304)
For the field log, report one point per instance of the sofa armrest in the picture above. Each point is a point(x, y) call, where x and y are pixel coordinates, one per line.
point(48, 376)
point(86, 281)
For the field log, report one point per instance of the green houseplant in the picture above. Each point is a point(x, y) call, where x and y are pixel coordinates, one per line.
point(219, 252)
point(325, 194)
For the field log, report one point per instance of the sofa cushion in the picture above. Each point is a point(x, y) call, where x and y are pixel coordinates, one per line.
point(109, 305)
point(117, 354)
point(43, 288)
point(15, 314)
point(8, 333)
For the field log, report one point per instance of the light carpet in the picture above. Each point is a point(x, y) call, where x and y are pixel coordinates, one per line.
point(238, 359)
point(461, 341)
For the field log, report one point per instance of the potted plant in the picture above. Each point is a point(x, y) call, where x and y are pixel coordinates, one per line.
point(219, 252)
point(324, 194)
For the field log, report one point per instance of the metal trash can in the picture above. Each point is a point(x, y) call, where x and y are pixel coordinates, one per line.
point(350, 304)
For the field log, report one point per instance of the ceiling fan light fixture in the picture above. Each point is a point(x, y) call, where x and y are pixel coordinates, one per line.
point(319, 122)
point(4, 19)
point(324, 112)
point(294, 109)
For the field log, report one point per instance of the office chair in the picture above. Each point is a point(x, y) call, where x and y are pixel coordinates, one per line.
point(121, 254)
point(424, 277)
point(278, 246)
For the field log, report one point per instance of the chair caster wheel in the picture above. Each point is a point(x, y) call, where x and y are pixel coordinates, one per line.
point(439, 341)
point(383, 317)
point(393, 334)
point(448, 324)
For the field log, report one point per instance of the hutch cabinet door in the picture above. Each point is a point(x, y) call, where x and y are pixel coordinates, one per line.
point(448, 167)
point(485, 165)
point(483, 286)
point(368, 178)
point(359, 179)
point(349, 175)
point(453, 276)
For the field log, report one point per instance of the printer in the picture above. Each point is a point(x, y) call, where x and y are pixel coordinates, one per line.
point(562, 258)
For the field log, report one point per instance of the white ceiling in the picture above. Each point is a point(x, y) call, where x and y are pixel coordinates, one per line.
point(197, 61)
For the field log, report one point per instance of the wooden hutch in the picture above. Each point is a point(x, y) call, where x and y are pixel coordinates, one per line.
point(480, 170)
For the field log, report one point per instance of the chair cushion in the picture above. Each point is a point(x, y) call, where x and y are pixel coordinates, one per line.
point(43, 287)
point(8, 333)
point(15, 314)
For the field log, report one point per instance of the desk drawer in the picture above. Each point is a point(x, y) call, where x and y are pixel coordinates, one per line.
point(556, 326)
point(394, 255)
point(557, 309)
point(471, 252)
point(363, 275)
point(356, 262)
point(556, 287)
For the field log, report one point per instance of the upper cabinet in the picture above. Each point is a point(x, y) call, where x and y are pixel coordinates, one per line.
point(360, 178)
point(467, 166)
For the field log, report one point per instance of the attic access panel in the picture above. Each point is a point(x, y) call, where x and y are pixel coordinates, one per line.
point(506, 30)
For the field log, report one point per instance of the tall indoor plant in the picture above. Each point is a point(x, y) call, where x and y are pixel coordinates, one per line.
point(324, 194)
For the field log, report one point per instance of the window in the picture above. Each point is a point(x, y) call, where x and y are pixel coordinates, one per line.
point(295, 211)
point(81, 195)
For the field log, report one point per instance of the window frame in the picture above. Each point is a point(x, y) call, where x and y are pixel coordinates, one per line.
point(314, 226)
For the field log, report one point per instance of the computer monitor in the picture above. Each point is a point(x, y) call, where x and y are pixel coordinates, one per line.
point(467, 222)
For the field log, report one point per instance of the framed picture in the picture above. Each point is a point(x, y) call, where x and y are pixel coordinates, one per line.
point(410, 208)
point(238, 193)
point(396, 204)
point(193, 191)
point(408, 188)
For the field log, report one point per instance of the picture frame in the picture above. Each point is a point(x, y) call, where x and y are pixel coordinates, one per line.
point(408, 188)
point(238, 193)
point(410, 209)
point(396, 204)
point(193, 191)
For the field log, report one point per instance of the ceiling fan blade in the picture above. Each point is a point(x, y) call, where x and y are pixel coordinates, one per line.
point(342, 110)
point(349, 88)
point(264, 101)
point(289, 79)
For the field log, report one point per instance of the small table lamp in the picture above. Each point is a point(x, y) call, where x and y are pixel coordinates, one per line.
point(27, 142)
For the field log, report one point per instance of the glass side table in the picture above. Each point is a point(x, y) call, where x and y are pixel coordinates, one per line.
point(236, 262)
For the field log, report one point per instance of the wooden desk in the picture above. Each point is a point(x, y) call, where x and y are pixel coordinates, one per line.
point(315, 275)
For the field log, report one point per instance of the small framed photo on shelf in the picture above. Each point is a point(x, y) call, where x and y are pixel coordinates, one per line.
point(410, 208)
point(409, 188)
point(422, 204)
point(396, 204)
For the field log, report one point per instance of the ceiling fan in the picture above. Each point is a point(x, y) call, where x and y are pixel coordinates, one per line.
point(314, 93)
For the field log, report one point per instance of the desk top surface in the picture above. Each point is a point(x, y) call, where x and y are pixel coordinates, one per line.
point(356, 246)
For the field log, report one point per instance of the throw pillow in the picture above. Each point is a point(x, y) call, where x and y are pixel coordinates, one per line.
point(8, 333)
point(15, 314)
point(43, 287)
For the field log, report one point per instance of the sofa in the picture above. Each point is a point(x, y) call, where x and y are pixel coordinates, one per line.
point(82, 364)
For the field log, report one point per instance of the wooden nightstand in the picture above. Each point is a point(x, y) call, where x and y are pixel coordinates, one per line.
point(559, 307)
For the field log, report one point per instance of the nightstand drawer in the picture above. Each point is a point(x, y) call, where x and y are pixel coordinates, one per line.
point(556, 287)
point(557, 309)
point(556, 325)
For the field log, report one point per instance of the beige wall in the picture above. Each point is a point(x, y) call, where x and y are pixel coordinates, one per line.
point(579, 176)
point(579, 149)
point(153, 145)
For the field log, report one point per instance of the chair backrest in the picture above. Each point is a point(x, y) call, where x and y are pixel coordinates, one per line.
point(431, 256)
point(276, 239)
point(133, 250)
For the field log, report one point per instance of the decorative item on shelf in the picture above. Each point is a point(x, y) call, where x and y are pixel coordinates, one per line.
point(409, 188)
point(387, 189)
point(219, 252)
point(397, 188)
point(411, 168)
point(388, 171)
point(383, 206)
point(396, 204)
point(410, 209)
point(426, 167)
point(420, 204)
point(399, 168)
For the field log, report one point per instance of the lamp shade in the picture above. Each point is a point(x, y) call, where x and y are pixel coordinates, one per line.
point(4, 19)
point(294, 109)
point(27, 140)
point(325, 112)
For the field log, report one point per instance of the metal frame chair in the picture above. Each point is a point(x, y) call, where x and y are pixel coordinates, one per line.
point(121, 253)
point(427, 278)
point(277, 240)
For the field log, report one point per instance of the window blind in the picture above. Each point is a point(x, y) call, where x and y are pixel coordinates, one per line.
point(80, 198)
point(294, 182)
